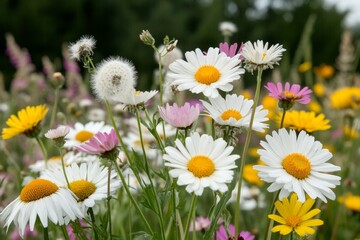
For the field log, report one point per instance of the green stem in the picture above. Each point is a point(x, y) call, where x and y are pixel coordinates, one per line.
point(270, 222)
point(91, 66)
point(46, 233)
point(92, 217)
point(282, 118)
point(63, 167)
point(156, 135)
point(191, 212)
point(108, 201)
point(133, 201)
point(43, 149)
point(117, 130)
point(244, 154)
point(147, 170)
point(54, 110)
point(64, 231)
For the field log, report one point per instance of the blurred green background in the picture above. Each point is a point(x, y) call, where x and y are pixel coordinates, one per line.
point(43, 26)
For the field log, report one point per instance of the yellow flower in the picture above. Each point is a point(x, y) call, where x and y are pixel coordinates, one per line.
point(324, 71)
point(307, 121)
point(319, 89)
point(27, 121)
point(352, 202)
point(350, 133)
point(344, 98)
point(295, 216)
point(314, 107)
point(304, 67)
point(271, 104)
point(251, 175)
point(247, 94)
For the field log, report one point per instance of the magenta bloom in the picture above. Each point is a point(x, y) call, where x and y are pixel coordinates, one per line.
point(180, 117)
point(100, 143)
point(231, 50)
point(221, 234)
point(201, 223)
point(290, 93)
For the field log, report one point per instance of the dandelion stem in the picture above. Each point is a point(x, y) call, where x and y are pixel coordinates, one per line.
point(191, 212)
point(147, 170)
point(43, 149)
point(54, 110)
point(108, 200)
point(244, 154)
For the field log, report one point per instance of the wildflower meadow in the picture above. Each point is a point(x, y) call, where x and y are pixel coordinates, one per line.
point(85, 154)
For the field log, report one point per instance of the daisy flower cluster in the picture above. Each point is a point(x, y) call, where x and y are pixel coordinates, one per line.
point(200, 155)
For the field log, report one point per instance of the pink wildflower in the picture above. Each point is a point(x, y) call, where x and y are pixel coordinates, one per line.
point(289, 95)
point(221, 234)
point(180, 117)
point(201, 223)
point(100, 143)
point(231, 50)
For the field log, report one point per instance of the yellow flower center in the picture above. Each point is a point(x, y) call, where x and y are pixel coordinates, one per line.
point(263, 56)
point(231, 113)
point(137, 92)
point(297, 165)
point(201, 166)
point(290, 95)
point(207, 75)
point(82, 189)
point(83, 136)
point(37, 189)
point(293, 221)
point(55, 158)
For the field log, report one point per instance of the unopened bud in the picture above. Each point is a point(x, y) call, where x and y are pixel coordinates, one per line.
point(147, 38)
point(58, 80)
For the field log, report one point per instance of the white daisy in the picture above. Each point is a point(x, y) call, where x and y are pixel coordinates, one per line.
point(133, 141)
point(134, 97)
point(202, 162)
point(82, 47)
point(227, 28)
point(250, 198)
point(44, 199)
point(205, 72)
point(235, 111)
point(88, 182)
point(58, 132)
point(297, 164)
point(114, 77)
point(258, 55)
point(82, 133)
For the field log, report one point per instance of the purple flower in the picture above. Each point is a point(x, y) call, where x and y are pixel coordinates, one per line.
point(289, 95)
point(180, 117)
point(194, 102)
point(100, 143)
point(221, 234)
point(231, 50)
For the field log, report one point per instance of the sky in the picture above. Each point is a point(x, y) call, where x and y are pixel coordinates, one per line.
point(353, 6)
point(352, 19)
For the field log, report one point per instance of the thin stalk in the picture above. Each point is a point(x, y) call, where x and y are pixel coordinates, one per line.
point(282, 118)
point(92, 217)
point(43, 149)
point(54, 110)
point(270, 222)
point(90, 64)
point(246, 147)
point(63, 167)
point(191, 212)
point(147, 170)
point(108, 201)
point(66, 235)
point(133, 201)
point(111, 116)
point(157, 137)
point(46, 233)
